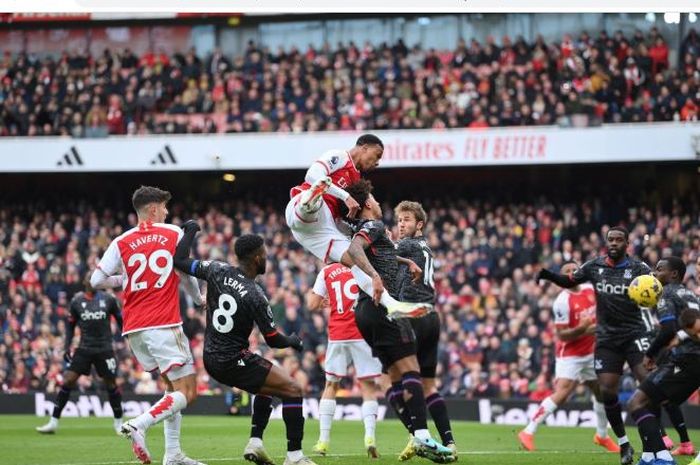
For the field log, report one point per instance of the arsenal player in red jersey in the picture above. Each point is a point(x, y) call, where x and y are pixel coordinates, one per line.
point(574, 318)
point(141, 261)
point(345, 346)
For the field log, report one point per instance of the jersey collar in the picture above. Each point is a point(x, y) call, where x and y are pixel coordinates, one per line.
point(623, 263)
point(145, 225)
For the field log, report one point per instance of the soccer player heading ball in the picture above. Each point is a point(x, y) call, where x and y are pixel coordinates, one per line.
point(316, 205)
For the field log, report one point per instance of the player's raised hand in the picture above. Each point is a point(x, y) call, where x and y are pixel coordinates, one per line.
point(295, 342)
point(191, 225)
point(416, 272)
point(378, 286)
point(353, 207)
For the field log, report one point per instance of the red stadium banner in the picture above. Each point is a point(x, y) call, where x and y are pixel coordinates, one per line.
point(43, 17)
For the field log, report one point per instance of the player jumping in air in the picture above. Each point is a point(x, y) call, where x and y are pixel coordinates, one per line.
point(622, 328)
point(90, 311)
point(235, 304)
point(412, 246)
point(152, 323)
point(317, 204)
point(575, 323)
point(345, 346)
point(392, 341)
point(678, 375)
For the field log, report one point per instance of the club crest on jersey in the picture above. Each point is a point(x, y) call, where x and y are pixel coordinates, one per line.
point(627, 274)
point(600, 270)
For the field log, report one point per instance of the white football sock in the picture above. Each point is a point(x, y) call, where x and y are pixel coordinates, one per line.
point(546, 407)
point(295, 455)
point(369, 416)
point(664, 455)
point(167, 406)
point(601, 427)
point(171, 429)
point(622, 440)
point(326, 410)
point(365, 283)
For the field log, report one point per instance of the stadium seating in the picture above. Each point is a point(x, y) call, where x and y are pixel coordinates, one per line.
point(497, 321)
point(608, 78)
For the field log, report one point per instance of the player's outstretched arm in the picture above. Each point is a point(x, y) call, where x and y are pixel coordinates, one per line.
point(562, 280)
point(100, 280)
point(314, 301)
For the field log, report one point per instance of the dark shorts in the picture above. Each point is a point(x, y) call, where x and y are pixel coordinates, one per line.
point(390, 340)
point(247, 372)
point(427, 331)
point(105, 363)
point(672, 382)
point(611, 355)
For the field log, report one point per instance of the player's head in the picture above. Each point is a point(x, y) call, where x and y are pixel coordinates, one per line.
point(250, 250)
point(689, 320)
point(367, 152)
point(569, 267)
point(411, 218)
point(617, 240)
point(670, 270)
point(151, 203)
point(361, 191)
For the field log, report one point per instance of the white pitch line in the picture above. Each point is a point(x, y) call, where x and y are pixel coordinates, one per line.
point(468, 452)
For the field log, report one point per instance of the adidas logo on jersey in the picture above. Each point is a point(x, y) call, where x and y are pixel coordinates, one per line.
point(101, 315)
point(607, 288)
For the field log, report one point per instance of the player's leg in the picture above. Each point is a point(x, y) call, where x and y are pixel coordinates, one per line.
point(563, 387)
point(326, 411)
point(70, 379)
point(308, 203)
point(407, 368)
point(279, 384)
point(369, 408)
point(106, 367)
point(336, 367)
point(367, 369)
point(601, 437)
point(166, 349)
point(675, 414)
point(648, 424)
point(609, 362)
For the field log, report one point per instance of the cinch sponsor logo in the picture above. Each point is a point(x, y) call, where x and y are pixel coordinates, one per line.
point(607, 288)
point(88, 315)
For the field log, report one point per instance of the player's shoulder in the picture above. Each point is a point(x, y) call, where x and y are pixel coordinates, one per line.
point(124, 235)
point(595, 262)
point(562, 298)
point(372, 224)
point(638, 263)
point(78, 296)
point(168, 227)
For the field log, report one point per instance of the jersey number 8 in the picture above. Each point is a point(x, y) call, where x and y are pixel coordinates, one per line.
point(222, 318)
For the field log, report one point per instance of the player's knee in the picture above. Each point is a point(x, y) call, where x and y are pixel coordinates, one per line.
point(638, 401)
point(608, 394)
point(293, 389)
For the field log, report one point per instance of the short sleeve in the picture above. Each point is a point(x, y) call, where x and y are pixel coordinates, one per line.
point(333, 160)
point(111, 262)
point(204, 269)
point(561, 309)
point(320, 285)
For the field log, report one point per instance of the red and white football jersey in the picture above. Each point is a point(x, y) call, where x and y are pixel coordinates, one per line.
point(569, 309)
point(342, 171)
point(335, 282)
point(151, 286)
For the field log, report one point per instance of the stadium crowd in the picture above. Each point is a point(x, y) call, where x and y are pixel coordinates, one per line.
point(497, 338)
point(610, 78)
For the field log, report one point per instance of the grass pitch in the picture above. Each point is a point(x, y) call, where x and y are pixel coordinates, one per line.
point(220, 441)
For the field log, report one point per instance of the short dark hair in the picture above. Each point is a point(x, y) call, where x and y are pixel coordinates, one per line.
point(688, 317)
point(360, 191)
point(621, 229)
point(676, 264)
point(247, 245)
point(369, 139)
point(569, 262)
point(145, 195)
